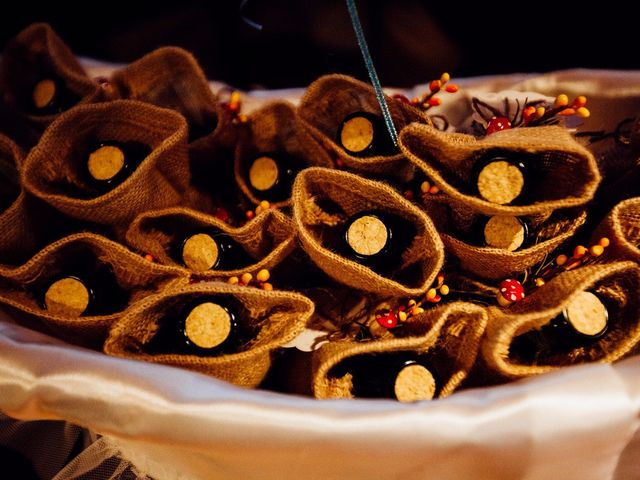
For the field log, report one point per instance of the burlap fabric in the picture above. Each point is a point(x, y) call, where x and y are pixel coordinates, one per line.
point(450, 333)
point(19, 285)
point(331, 98)
point(268, 238)
point(277, 316)
point(617, 283)
point(275, 128)
point(38, 44)
point(497, 263)
point(622, 228)
point(52, 171)
point(171, 77)
point(352, 194)
point(567, 172)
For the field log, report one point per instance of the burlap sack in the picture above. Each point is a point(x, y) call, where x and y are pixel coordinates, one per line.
point(618, 283)
point(275, 128)
point(421, 261)
point(331, 98)
point(450, 333)
point(622, 228)
point(496, 263)
point(171, 77)
point(268, 238)
point(52, 171)
point(568, 172)
point(277, 316)
point(19, 285)
point(19, 69)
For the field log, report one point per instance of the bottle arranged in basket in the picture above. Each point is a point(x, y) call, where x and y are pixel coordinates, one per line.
point(584, 320)
point(505, 232)
point(108, 163)
point(404, 376)
point(210, 249)
point(376, 239)
point(49, 95)
point(84, 290)
point(364, 134)
point(503, 177)
point(271, 175)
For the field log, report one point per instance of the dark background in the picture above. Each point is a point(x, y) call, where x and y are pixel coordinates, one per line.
point(411, 41)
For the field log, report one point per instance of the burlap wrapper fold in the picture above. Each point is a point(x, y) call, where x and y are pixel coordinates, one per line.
point(18, 71)
point(278, 317)
point(497, 263)
point(53, 174)
point(421, 260)
point(268, 238)
point(622, 228)
point(568, 174)
point(271, 129)
point(133, 273)
point(618, 283)
point(171, 77)
point(451, 333)
point(331, 98)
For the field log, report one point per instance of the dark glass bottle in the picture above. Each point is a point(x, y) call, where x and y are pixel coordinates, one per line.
point(376, 239)
point(48, 94)
point(271, 175)
point(502, 177)
point(108, 163)
point(210, 249)
point(364, 134)
point(84, 291)
point(583, 321)
point(404, 376)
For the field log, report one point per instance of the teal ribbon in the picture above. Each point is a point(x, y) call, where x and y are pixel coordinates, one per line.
point(362, 43)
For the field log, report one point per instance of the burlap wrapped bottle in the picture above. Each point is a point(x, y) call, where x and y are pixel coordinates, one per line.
point(277, 317)
point(331, 98)
point(36, 48)
point(352, 194)
point(53, 169)
point(268, 238)
point(275, 128)
point(171, 77)
point(449, 334)
point(20, 287)
point(622, 228)
point(567, 173)
point(616, 283)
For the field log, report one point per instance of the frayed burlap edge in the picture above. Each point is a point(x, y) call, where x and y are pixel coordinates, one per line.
point(622, 228)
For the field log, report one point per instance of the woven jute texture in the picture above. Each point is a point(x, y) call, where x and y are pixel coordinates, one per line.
point(277, 317)
point(497, 263)
point(622, 228)
point(268, 238)
point(450, 334)
point(274, 128)
point(352, 194)
point(19, 286)
point(22, 58)
point(567, 174)
point(53, 170)
point(618, 284)
point(331, 98)
point(171, 77)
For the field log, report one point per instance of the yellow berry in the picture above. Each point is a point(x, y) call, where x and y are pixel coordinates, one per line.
point(431, 293)
point(580, 251)
point(596, 250)
point(411, 303)
point(539, 282)
point(264, 204)
point(235, 97)
point(583, 112)
point(444, 290)
point(445, 77)
point(424, 188)
point(540, 111)
point(418, 311)
point(259, 209)
point(246, 278)
point(604, 241)
point(561, 260)
point(266, 286)
point(402, 316)
point(233, 280)
point(263, 275)
point(561, 100)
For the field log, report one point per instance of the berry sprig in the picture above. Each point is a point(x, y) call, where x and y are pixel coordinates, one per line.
point(232, 108)
point(426, 189)
point(263, 206)
point(429, 100)
point(261, 280)
point(547, 114)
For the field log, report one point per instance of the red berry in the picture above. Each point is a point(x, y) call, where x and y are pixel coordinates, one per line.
point(221, 214)
point(497, 124)
point(387, 320)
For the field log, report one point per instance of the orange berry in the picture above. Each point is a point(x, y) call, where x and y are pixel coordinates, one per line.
point(604, 241)
point(596, 250)
point(561, 100)
point(433, 190)
point(452, 88)
point(264, 204)
point(425, 186)
point(233, 280)
point(431, 294)
point(580, 251)
point(149, 257)
point(539, 282)
point(266, 286)
point(583, 112)
point(246, 278)
point(249, 214)
point(561, 260)
point(580, 101)
point(263, 275)
point(435, 85)
point(567, 111)
point(434, 101)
